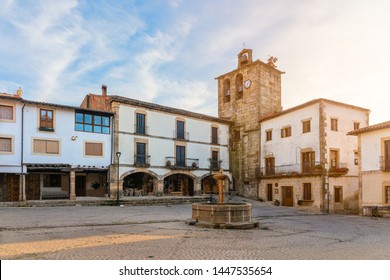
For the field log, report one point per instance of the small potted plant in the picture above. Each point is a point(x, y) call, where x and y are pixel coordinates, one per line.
point(95, 185)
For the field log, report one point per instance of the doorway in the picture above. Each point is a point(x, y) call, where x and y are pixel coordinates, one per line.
point(80, 186)
point(288, 196)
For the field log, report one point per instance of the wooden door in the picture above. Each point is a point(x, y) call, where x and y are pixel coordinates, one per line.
point(269, 192)
point(80, 186)
point(12, 187)
point(33, 186)
point(288, 196)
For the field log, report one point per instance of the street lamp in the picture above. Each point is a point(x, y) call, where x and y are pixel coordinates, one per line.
point(118, 155)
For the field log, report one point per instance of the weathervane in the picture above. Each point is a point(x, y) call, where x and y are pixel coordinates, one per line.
point(271, 61)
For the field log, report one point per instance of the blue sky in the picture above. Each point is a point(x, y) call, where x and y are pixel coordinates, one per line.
point(169, 52)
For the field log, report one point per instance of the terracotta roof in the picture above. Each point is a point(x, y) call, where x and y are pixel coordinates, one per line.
point(309, 103)
point(157, 107)
point(370, 128)
point(6, 96)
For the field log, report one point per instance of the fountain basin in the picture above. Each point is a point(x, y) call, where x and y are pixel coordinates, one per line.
point(223, 215)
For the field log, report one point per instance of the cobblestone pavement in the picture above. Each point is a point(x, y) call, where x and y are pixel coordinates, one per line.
point(159, 232)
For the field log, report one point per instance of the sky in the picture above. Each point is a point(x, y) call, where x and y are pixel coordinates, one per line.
point(170, 52)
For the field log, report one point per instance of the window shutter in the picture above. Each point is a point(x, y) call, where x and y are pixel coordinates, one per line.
point(5, 144)
point(6, 112)
point(93, 149)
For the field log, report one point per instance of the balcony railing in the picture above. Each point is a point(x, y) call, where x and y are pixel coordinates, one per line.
point(141, 160)
point(181, 135)
point(279, 170)
point(384, 163)
point(177, 163)
point(338, 168)
point(311, 167)
point(215, 165)
point(142, 130)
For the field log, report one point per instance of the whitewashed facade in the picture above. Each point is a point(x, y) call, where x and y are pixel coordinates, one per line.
point(374, 150)
point(307, 159)
point(164, 150)
point(52, 155)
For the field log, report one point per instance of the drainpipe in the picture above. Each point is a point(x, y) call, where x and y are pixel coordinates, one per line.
point(23, 189)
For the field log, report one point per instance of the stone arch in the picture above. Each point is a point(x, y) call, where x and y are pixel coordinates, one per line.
point(179, 183)
point(139, 182)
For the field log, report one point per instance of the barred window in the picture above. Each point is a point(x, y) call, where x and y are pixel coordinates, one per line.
point(41, 146)
point(93, 149)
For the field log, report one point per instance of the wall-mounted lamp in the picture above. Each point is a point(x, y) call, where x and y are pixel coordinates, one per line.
point(73, 138)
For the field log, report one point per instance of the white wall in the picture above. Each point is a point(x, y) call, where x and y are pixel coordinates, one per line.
point(288, 150)
point(11, 162)
point(160, 137)
point(338, 140)
point(371, 148)
point(71, 152)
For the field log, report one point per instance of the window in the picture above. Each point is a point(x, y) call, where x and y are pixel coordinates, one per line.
point(268, 135)
point(333, 124)
point(41, 146)
point(6, 113)
point(180, 130)
point(306, 126)
point(5, 145)
point(180, 156)
point(356, 159)
point(46, 119)
point(270, 166)
point(214, 135)
point(356, 125)
point(334, 159)
point(226, 90)
point(338, 194)
point(387, 194)
point(239, 86)
point(51, 180)
point(215, 160)
point(308, 161)
point(285, 132)
point(140, 153)
point(93, 149)
point(140, 124)
point(92, 123)
point(236, 134)
point(307, 191)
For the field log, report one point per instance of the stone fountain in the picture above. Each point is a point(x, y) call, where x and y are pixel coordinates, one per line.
point(221, 214)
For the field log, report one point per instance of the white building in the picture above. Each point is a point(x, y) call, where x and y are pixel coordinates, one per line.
point(306, 157)
point(164, 150)
point(52, 151)
point(374, 150)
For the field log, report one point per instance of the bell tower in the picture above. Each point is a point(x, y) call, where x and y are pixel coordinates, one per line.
point(246, 94)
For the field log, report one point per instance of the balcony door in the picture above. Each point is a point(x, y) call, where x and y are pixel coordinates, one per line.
point(180, 156)
point(308, 161)
point(141, 153)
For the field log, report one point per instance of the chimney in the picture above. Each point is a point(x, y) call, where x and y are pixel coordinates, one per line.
point(104, 90)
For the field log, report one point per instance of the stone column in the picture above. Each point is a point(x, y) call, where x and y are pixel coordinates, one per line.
point(22, 188)
point(72, 193)
point(198, 187)
point(160, 187)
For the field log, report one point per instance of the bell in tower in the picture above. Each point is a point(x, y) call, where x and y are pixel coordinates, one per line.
point(244, 57)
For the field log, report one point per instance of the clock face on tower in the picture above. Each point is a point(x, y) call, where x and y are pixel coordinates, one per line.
point(247, 83)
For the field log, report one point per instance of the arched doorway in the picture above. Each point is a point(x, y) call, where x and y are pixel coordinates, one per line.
point(208, 183)
point(139, 184)
point(179, 184)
